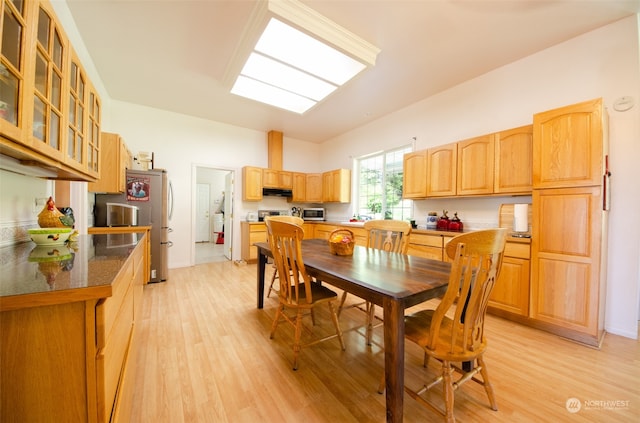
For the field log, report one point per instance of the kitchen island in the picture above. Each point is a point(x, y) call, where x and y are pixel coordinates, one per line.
point(67, 327)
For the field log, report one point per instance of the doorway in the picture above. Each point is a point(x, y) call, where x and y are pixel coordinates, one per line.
point(212, 225)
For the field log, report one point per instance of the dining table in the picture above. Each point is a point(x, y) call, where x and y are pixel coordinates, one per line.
point(392, 281)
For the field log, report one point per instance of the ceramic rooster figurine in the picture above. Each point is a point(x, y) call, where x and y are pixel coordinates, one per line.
point(51, 217)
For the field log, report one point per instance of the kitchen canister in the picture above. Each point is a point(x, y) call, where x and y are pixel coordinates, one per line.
point(432, 220)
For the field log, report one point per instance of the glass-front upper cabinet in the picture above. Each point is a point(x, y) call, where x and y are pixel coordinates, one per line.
point(93, 144)
point(83, 120)
point(76, 144)
point(12, 66)
point(47, 101)
point(47, 95)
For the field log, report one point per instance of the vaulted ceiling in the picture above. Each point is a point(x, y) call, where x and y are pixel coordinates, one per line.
point(173, 54)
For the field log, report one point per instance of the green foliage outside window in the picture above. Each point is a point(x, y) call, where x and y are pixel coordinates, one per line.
point(380, 186)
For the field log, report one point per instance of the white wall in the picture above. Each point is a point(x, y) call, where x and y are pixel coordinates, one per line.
point(603, 63)
point(18, 208)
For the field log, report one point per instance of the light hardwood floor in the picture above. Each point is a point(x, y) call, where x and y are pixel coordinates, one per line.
point(205, 356)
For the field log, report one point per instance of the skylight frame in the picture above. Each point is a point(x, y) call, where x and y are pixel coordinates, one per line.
point(307, 21)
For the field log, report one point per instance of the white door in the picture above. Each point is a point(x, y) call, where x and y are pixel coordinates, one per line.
point(203, 225)
point(228, 214)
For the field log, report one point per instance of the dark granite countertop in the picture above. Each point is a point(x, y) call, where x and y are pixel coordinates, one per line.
point(32, 275)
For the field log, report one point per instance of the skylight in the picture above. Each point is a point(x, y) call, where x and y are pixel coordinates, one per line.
point(291, 69)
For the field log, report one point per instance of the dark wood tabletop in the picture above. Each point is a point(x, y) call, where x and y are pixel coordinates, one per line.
point(393, 281)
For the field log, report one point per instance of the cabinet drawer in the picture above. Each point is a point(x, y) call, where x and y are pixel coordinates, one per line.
point(257, 237)
point(111, 359)
point(427, 240)
point(425, 251)
point(518, 250)
point(108, 309)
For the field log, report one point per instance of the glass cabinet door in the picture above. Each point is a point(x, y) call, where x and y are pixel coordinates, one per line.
point(93, 139)
point(76, 144)
point(47, 100)
point(12, 44)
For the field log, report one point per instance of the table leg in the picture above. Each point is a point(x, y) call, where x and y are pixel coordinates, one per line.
point(394, 358)
point(262, 262)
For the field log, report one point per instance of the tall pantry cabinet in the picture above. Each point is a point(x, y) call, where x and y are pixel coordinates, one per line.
point(569, 239)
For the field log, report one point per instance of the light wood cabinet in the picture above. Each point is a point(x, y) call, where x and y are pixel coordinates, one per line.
point(568, 146)
point(475, 162)
point(307, 187)
point(45, 95)
point(299, 189)
point(322, 230)
point(251, 183)
point(414, 182)
point(116, 159)
point(511, 291)
point(568, 277)
point(250, 233)
point(568, 254)
point(272, 178)
point(491, 164)
point(441, 170)
point(336, 186)
point(73, 359)
point(82, 144)
point(313, 188)
point(429, 245)
point(426, 245)
point(513, 161)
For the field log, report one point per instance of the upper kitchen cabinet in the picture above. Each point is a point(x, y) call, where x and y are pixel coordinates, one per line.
point(441, 170)
point(251, 183)
point(44, 94)
point(83, 122)
point(414, 184)
point(13, 67)
point(336, 186)
point(115, 159)
point(307, 187)
point(272, 178)
point(475, 166)
point(568, 147)
point(299, 189)
point(513, 161)
point(313, 188)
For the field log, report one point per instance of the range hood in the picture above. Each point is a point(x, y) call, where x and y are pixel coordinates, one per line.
point(277, 192)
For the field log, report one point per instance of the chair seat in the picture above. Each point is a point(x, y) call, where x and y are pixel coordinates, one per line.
point(319, 293)
point(417, 329)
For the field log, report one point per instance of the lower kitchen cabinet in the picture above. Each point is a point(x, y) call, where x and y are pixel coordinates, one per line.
point(511, 292)
point(429, 245)
point(250, 233)
point(426, 245)
point(73, 359)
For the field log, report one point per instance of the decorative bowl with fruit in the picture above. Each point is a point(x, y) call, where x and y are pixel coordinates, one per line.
point(341, 242)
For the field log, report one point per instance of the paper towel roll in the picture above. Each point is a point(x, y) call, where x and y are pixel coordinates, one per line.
point(521, 217)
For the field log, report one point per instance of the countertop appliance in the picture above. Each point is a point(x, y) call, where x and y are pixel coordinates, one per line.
point(151, 192)
point(263, 213)
point(314, 214)
point(122, 214)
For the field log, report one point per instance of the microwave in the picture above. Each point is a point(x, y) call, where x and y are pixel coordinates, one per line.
point(315, 213)
point(122, 215)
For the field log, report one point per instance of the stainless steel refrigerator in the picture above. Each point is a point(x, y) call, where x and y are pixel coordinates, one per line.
point(151, 192)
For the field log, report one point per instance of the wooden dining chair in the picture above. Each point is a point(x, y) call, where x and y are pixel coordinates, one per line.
point(291, 219)
point(454, 331)
point(387, 235)
point(297, 293)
